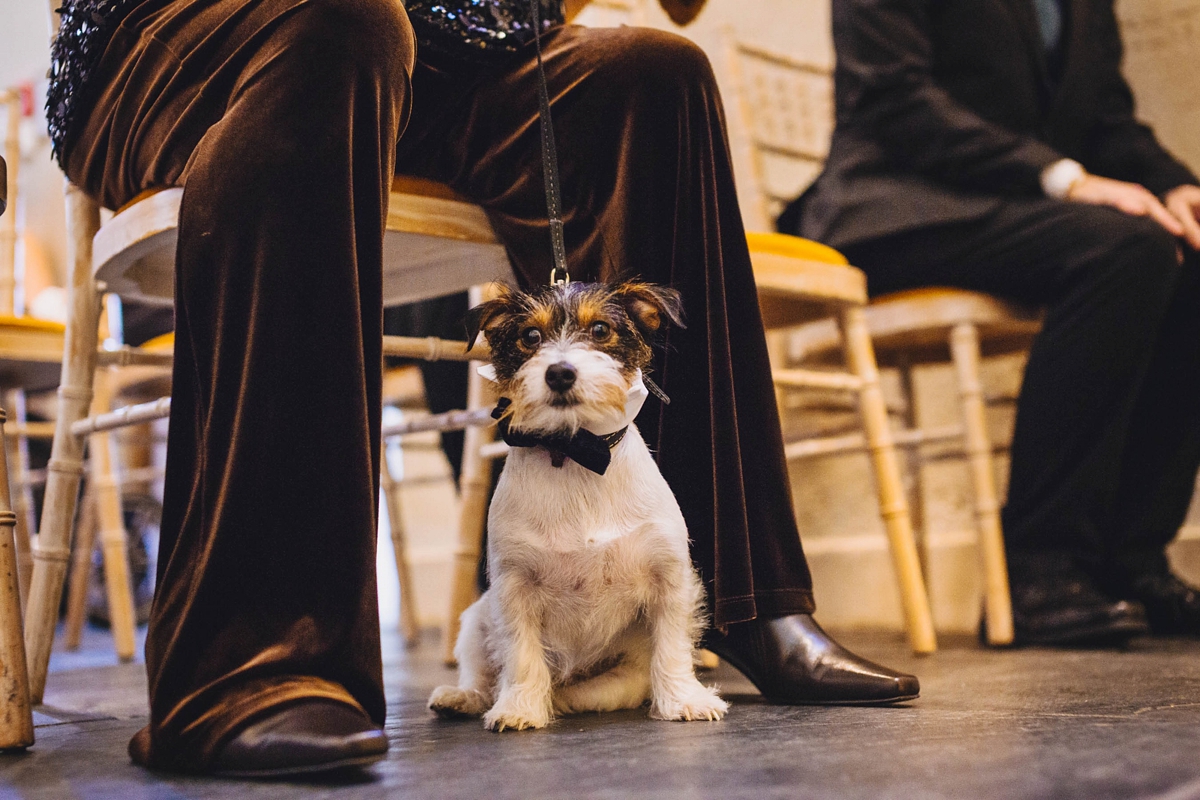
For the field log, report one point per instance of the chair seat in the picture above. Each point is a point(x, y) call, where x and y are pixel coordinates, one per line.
point(799, 279)
point(30, 352)
point(916, 325)
point(164, 343)
point(436, 243)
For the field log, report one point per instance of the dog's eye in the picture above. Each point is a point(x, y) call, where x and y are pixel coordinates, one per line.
point(531, 337)
point(600, 331)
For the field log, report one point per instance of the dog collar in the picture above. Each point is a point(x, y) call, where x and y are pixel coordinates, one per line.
point(585, 448)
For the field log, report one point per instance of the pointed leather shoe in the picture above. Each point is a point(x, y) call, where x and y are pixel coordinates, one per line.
point(303, 739)
point(791, 660)
point(1172, 606)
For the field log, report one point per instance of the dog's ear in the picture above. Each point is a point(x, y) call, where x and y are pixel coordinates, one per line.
point(488, 315)
point(647, 304)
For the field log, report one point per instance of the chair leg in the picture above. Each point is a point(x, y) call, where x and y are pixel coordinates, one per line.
point(66, 455)
point(16, 714)
point(409, 627)
point(110, 522)
point(81, 570)
point(913, 462)
point(892, 503)
point(17, 450)
point(475, 484)
point(964, 348)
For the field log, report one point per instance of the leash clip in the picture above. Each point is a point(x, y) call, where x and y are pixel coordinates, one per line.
point(556, 280)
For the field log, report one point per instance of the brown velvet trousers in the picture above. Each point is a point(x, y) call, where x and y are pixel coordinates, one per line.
point(283, 120)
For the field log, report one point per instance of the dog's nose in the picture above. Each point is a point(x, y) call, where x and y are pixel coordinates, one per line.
point(560, 377)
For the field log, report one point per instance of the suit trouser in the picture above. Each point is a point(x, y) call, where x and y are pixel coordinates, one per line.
point(1107, 438)
point(280, 118)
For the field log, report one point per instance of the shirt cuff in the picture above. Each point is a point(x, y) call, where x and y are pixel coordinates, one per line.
point(1060, 177)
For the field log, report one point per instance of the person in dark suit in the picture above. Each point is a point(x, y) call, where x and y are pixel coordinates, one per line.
point(992, 145)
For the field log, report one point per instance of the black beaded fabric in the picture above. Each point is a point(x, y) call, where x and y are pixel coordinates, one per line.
point(482, 31)
point(83, 34)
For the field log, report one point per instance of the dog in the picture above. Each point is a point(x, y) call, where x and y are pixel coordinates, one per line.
point(593, 604)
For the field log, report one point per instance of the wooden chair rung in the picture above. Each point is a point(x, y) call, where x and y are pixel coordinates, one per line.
point(127, 356)
point(122, 417)
point(431, 348)
point(857, 443)
point(815, 379)
point(447, 421)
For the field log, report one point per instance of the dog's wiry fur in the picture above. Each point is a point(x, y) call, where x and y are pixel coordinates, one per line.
point(594, 604)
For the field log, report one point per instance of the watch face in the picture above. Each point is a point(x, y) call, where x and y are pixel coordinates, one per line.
point(682, 12)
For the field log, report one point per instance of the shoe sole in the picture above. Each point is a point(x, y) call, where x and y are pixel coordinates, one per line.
point(888, 702)
point(1108, 635)
point(344, 764)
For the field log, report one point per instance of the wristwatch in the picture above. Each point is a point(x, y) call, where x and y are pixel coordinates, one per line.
point(1060, 178)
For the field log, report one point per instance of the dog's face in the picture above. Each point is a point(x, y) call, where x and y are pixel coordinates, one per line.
point(567, 355)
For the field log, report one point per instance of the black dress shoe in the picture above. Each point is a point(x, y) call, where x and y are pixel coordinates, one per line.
point(1172, 606)
point(1057, 604)
point(791, 660)
point(310, 737)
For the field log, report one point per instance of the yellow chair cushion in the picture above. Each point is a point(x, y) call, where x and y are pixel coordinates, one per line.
point(32, 324)
point(793, 247)
point(164, 343)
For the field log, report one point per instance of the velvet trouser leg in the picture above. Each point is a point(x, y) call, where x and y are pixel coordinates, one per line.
point(1107, 439)
point(279, 118)
point(647, 191)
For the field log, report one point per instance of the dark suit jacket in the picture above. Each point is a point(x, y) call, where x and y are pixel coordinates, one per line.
point(945, 108)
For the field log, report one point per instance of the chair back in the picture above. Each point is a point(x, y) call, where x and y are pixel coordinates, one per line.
point(780, 119)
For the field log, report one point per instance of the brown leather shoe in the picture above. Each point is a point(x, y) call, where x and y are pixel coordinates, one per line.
point(303, 739)
point(792, 661)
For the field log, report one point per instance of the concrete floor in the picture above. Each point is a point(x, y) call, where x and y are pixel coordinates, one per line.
point(1021, 724)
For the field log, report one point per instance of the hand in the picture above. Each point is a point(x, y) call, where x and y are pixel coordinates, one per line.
point(1131, 198)
point(1184, 204)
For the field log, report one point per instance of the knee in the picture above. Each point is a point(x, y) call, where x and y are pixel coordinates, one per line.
point(372, 35)
point(657, 65)
point(1147, 251)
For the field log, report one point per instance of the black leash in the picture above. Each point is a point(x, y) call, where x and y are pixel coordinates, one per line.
point(559, 273)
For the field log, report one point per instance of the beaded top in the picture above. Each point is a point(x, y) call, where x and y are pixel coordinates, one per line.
point(477, 30)
point(83, 33)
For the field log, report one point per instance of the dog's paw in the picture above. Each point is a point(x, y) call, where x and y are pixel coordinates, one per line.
point(451, 701)
point(507, 716)
point(701, 702)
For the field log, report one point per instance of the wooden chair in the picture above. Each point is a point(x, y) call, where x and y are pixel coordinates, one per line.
point(31, 352)
point(30, 349)
point(782, 122)
point(435, 243)
point(16, 713)
point(102, 513)
point(800, 281)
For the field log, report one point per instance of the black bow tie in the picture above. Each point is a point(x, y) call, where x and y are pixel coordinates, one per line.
point(584, 448)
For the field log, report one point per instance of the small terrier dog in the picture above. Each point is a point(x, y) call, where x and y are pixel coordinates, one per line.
point(594, 604)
